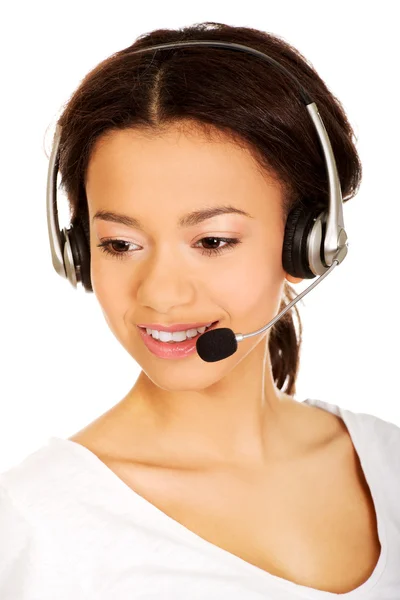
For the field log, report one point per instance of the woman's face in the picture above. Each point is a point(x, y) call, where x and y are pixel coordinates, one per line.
point(164, 274)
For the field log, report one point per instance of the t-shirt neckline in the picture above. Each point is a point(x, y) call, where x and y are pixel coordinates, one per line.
point(220, 554)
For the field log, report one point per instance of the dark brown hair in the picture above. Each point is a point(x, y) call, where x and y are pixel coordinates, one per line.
point(225, 91)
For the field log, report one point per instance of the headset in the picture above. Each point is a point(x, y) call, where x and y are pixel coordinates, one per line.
point(315, 240)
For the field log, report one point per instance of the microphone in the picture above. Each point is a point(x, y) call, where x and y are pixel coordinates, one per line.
point(217, 344)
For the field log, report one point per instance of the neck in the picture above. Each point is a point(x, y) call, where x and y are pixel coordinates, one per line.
point(241, 420)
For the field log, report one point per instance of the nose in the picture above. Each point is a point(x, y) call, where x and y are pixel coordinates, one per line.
point(165, 281)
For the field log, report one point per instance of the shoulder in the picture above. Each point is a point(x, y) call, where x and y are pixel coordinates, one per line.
point(361, 421)
point(11, 514)
point(41, 482)
point(15, 533)
point(27, 478)
point(376, 440)
point(38, 500)
point(376, 431)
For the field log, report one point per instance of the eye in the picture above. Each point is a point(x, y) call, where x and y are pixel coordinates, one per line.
point(230, 243)
point(106, 246)
point(118, 248)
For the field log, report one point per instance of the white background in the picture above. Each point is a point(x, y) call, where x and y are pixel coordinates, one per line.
point(61, 367)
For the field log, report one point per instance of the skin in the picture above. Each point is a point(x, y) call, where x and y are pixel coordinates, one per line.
point(166, 279)
point(217, 446)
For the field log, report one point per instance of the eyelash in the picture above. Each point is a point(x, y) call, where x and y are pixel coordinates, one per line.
point(230, 243)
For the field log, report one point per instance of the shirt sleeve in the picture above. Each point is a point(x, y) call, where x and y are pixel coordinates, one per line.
point(15, 541)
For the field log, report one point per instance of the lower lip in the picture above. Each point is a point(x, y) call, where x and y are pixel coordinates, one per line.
point(171, 350)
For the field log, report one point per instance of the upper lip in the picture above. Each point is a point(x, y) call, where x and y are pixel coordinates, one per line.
point(176, 327)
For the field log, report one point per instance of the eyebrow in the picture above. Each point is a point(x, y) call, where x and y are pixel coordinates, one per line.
point(188, 220)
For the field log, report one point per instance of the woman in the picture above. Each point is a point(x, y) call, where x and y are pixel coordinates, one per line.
point(207, 480)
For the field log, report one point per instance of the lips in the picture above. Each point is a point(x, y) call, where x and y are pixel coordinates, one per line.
point(168, 350)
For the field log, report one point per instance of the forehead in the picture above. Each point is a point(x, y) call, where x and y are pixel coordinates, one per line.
point(182, 149)
point(182, 165)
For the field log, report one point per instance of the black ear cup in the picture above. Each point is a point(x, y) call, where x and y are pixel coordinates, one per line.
point(295, 243)
point(81, 253)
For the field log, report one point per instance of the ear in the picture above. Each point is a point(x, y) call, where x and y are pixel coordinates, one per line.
point(292, 279)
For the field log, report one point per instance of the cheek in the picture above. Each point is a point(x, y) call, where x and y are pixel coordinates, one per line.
point(109, 276)
point(252, 286)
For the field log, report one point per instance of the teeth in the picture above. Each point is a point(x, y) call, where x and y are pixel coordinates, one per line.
point(176, 336)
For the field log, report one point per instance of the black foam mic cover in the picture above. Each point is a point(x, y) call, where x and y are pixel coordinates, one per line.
point(216, 344)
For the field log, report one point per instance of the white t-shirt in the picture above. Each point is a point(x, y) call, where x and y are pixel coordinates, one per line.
point(71, 529)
